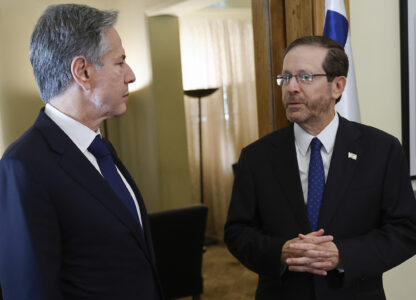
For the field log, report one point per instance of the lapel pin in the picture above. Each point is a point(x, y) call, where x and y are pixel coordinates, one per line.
point(352, 155)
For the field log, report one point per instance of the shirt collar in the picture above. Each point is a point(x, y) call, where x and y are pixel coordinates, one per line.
point(326, 136)
point(81, 135)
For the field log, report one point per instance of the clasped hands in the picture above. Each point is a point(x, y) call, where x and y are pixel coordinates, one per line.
point(314, 253)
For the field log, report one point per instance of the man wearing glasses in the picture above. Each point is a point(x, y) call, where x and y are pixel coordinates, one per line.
point(321, 208)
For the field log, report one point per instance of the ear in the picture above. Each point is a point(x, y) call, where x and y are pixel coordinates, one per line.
point(81, 71)
point(338, 86)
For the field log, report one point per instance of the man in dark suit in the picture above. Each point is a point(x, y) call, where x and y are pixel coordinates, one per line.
point(321, 208)
point(73, 224)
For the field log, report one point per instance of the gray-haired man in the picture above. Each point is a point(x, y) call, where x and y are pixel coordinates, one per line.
point(73, 224)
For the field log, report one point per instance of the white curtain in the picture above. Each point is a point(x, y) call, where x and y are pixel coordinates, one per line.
point(218, 52)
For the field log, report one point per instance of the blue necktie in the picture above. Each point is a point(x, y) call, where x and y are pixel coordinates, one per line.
point(108, 168)
point(316, 183)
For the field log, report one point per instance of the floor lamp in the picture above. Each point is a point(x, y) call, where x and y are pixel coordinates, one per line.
point(200, 93)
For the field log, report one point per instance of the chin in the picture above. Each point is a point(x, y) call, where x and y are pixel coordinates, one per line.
point(118, 112)
point(295, 117)
point(123, 108)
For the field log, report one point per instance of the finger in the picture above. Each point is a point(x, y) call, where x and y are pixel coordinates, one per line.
point(319, 232)
point(316, 239)
point(330, 247)
point(314, 253)
point(324, 265)
point(291, 255)
point(310, 246)
point(303, 246)
point(304, 261)
point(315, 234)
point(307, 269)
point(299, 261)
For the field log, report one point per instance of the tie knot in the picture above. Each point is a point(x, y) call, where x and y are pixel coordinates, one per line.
point(316, 144)
point(98, 148)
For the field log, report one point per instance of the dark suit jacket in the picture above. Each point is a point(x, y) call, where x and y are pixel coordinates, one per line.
point(368, 206)
point(64, 234)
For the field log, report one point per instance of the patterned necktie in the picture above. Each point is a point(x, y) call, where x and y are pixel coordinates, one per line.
point(108, 168)
point(316, 183)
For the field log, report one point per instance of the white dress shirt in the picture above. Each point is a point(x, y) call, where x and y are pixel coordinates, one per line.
point(302, 143)
point(82, 137)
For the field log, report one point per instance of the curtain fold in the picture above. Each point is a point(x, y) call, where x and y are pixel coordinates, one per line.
point(218, 52)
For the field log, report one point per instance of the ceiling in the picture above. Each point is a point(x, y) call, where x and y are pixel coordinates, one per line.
point(180, 7)
point(231, 4)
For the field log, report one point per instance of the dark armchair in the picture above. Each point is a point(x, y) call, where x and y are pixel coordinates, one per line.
point(178, 238)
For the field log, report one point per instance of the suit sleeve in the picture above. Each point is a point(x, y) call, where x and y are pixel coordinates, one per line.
point(369, 255)
point(258, 251)
point(29, 236)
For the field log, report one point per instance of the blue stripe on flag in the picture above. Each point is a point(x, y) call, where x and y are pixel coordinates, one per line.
point(336, 27)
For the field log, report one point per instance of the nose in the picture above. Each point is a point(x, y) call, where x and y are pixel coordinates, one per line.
point(130, 77)
point(292, 85)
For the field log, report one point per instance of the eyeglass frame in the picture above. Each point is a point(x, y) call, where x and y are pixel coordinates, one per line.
point(308, 80)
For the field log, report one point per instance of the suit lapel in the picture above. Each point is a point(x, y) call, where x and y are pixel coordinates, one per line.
point(286, 170)
point(143, 212)
point(340, 172)
point(83, 172)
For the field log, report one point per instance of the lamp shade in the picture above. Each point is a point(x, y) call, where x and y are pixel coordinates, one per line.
point(199, 93)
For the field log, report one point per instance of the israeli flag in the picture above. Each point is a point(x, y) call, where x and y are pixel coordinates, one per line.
point(336, 27)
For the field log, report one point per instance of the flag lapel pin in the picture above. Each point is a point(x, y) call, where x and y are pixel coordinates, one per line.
point(352, 155)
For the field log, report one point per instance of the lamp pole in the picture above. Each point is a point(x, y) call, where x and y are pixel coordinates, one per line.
point(200, 93)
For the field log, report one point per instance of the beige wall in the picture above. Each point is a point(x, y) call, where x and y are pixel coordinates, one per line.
point(20, 101)
point(169, 101)
point(135, 135)
point(375, 39)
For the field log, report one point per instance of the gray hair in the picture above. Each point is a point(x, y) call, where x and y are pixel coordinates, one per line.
point(62, 33)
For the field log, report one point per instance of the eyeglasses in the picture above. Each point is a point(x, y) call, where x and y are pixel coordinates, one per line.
point(284, 79)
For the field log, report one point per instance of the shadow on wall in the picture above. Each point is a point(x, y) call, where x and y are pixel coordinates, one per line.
point(18, 111)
